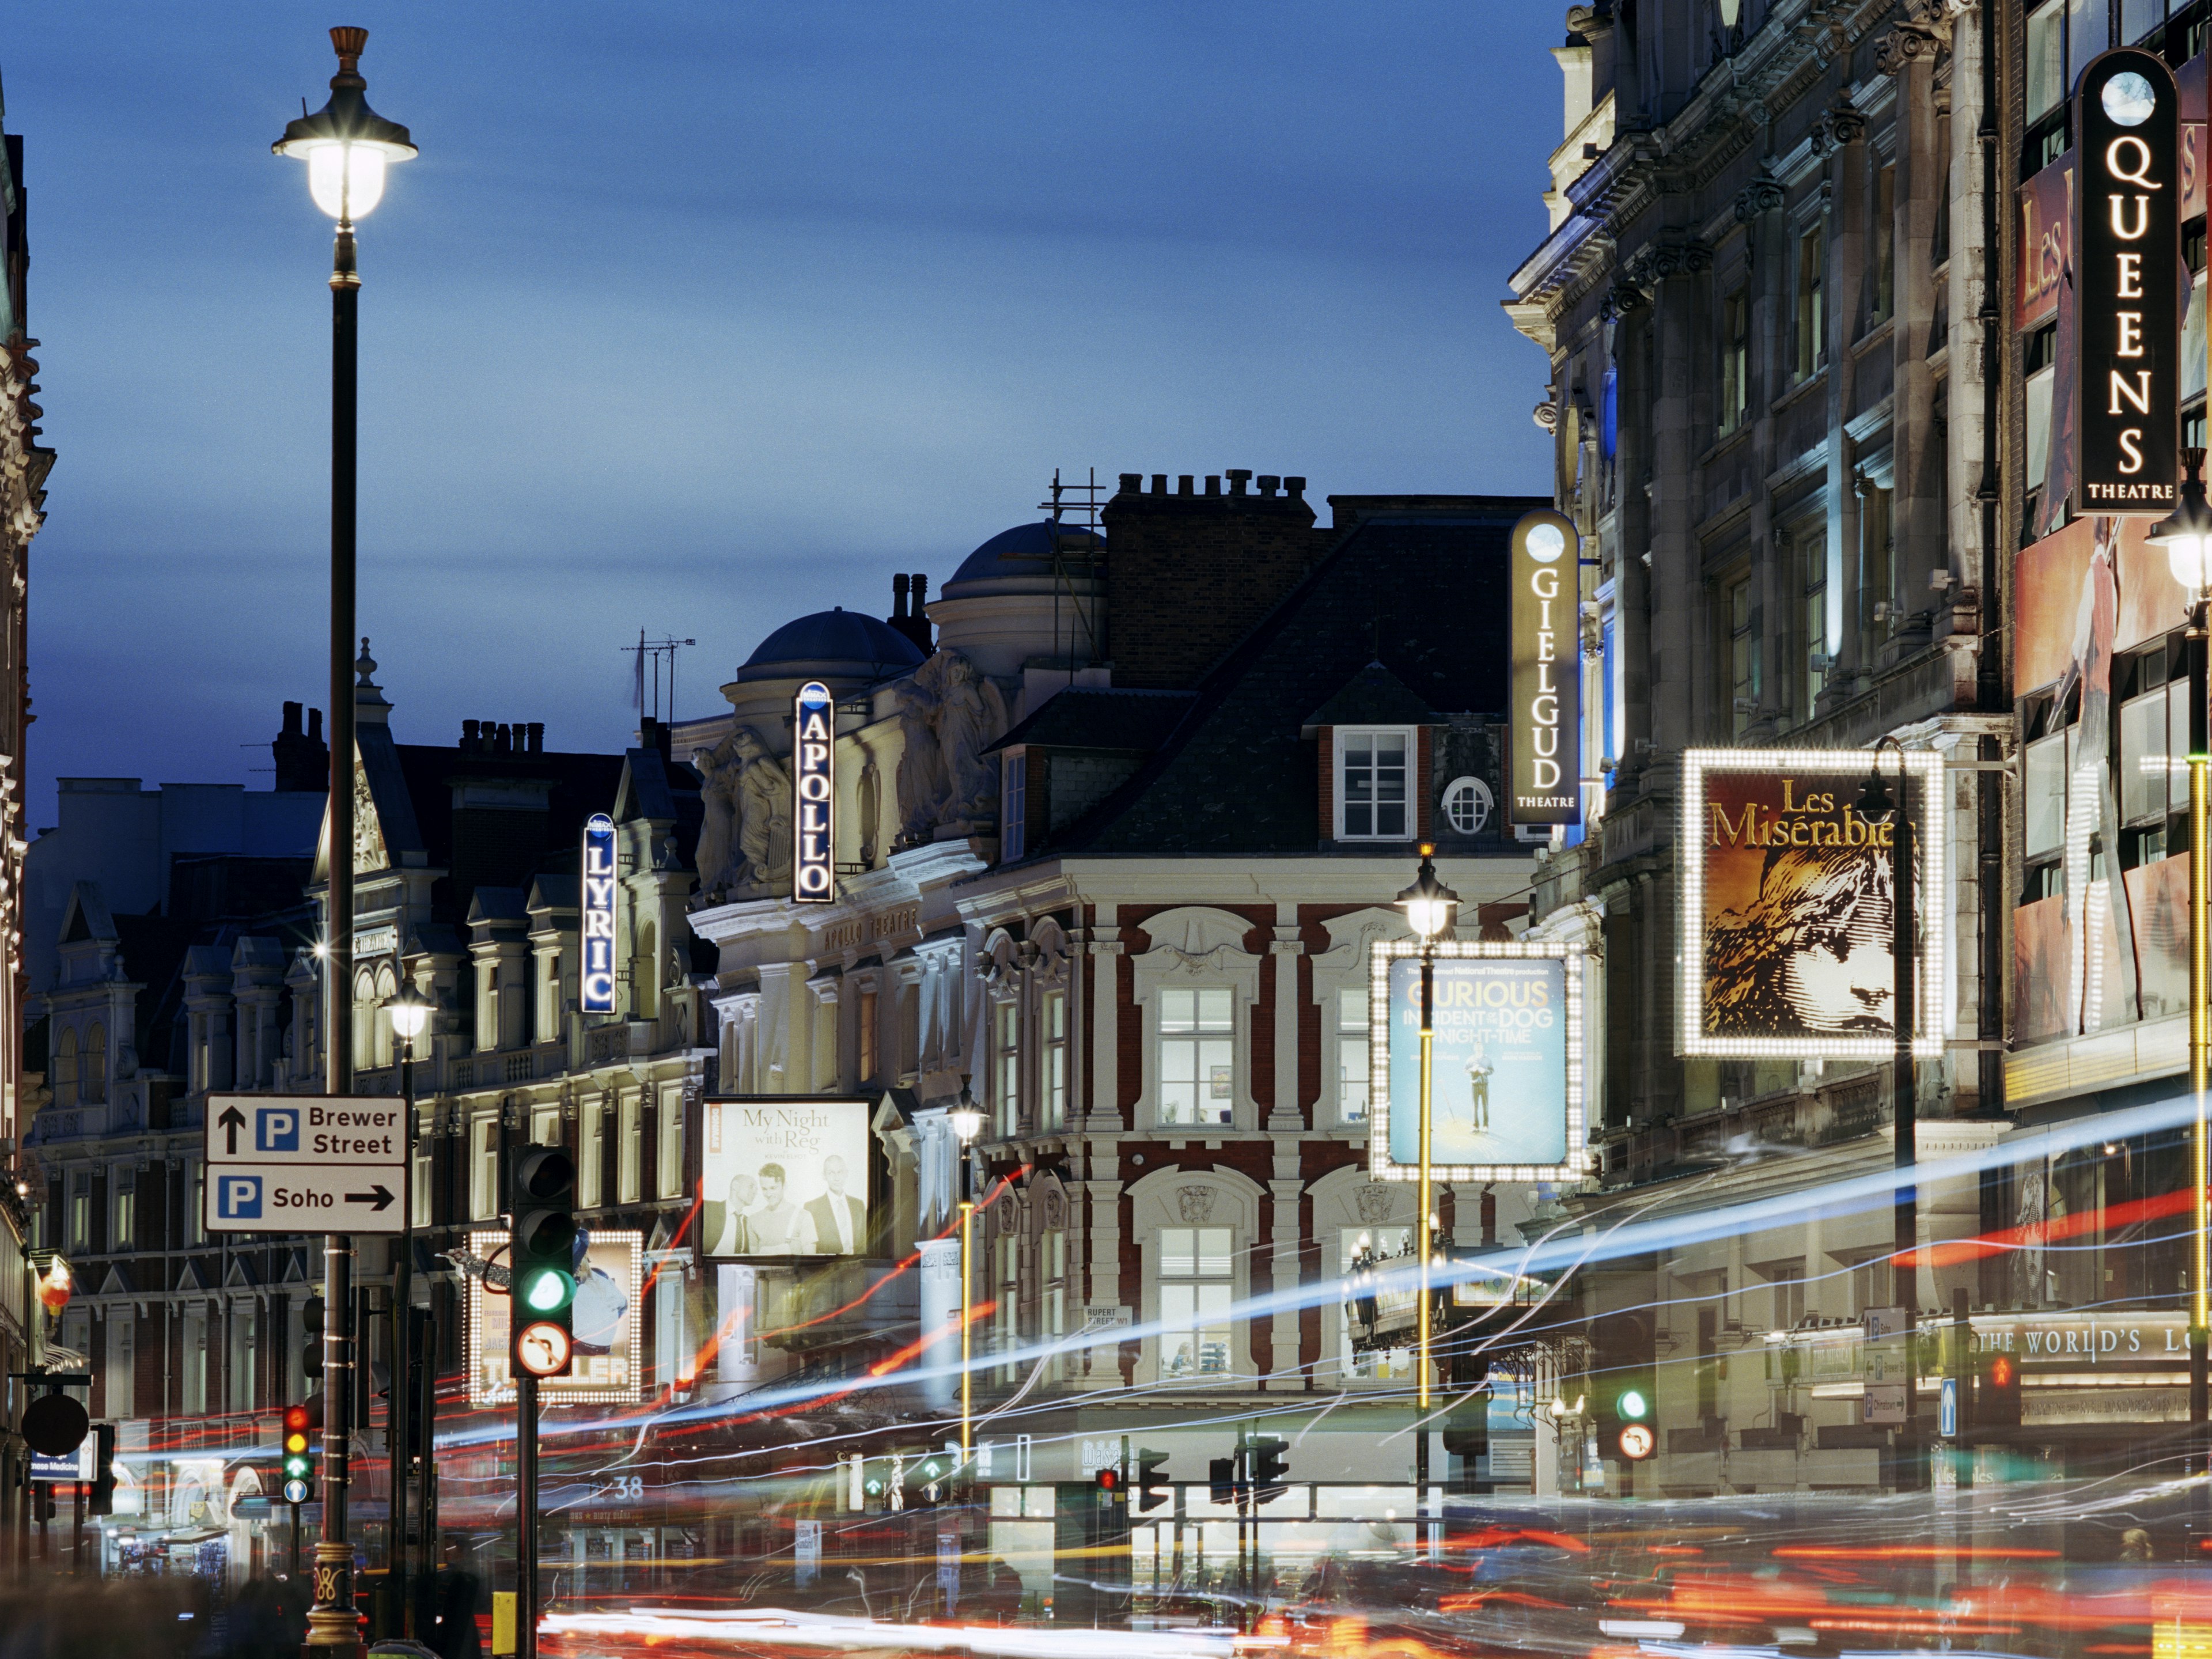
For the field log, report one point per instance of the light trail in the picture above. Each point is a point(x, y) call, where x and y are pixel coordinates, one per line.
point(777, 1627)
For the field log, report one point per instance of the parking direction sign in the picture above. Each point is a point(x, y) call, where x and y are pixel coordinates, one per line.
point(283, 1164)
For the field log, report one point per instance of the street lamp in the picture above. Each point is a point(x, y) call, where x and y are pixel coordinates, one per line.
point(410, 1013)
point(1430, 908)
point(348, 148)
point(967, 1120)
point(2186, 536)
point(1876, 804)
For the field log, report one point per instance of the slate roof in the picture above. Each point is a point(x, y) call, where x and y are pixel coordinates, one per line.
point(1373, 697)
point(1085, 717)
point(1423, 592)
point(500, 847)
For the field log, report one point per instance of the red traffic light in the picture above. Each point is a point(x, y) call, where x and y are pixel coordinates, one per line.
point(1110, 1480)
point(295, 1420)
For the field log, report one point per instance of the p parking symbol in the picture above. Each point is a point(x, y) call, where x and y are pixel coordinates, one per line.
point(276, 1129)
point(238, 1198)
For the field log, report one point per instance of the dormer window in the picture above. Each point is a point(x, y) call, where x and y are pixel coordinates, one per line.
point(1374, 797)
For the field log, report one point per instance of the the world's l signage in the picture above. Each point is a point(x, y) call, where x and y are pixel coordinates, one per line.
point(1545, 787)
point(2127, 280)
point(281, 1164)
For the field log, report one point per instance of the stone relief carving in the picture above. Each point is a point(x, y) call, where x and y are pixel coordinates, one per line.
point(948, 715)
point(1374, 1202)
point(1194, 1205)
point(744, 834)
point(368, 835)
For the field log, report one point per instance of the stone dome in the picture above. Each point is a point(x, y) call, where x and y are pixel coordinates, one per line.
point(1025, 551)
point(837, 643)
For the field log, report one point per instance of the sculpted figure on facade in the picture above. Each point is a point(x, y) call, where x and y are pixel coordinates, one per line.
point(949, 713)
point(745, 831)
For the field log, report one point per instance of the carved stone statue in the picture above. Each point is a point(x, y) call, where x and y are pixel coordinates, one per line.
point(745, 831)
point(949, 714)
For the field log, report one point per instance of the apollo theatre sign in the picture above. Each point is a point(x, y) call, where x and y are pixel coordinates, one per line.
point(814, 758)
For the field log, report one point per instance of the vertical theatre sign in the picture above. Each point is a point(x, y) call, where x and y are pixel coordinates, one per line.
point(598, 983)
point(2128, 285)
point(814, 835)
point(1546, 787)
point(1786, 922)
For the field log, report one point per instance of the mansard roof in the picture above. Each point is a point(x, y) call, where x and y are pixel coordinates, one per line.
point(1097, 717)
point(1417, 584)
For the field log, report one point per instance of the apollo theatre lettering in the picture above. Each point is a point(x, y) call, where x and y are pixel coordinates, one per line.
point(2128, 285)
point(814, 835)
point(1546, 786)
point(598, 983)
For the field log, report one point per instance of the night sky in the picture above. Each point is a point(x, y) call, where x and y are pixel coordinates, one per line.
point(695, 317)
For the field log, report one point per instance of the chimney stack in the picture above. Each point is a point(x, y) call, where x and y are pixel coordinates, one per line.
point(303, 759)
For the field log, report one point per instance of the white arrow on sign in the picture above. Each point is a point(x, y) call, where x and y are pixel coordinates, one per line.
point(285, 1198)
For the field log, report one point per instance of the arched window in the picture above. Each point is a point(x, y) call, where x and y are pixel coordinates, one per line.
point(65, 1067)
point(93, 1068)
point(1467, 805)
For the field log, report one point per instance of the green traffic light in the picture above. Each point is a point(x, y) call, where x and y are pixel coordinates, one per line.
point(1633, 1406)
point(547, 1293)
point(296, 1467)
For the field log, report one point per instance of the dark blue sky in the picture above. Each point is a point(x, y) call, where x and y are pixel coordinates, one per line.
point(694, 318)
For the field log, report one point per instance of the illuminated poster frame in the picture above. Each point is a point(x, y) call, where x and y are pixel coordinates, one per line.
point(619, 1252)
point(814, 781)
point(1846, 769)
point(1543, 781)
point(1573, 961)
point(596, 984)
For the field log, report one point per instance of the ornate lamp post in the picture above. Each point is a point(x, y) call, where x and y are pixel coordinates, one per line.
point(967, 1120)
point(410, 1013)
point(1430, 908)
point(347, 147)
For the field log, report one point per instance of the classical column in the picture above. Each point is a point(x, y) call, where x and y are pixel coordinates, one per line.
point(1105, 1115)
point(1286, 1236)
point(1284, 1118)
point(1682, 667)
point(1758, 210)
point(1908, 52)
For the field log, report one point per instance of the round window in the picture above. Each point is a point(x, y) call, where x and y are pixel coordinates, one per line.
point(1467, 804)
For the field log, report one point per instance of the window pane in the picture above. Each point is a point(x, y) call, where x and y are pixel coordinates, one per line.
point(1178, 1303)
point(2143, 756)
point(1214, 1252)
point(1178, 1010)
point(2177, 745)
point(1176, 1249)
point(2139, 17)
point(2044, 808)
point(2086, 32)
point(1213, 1011)
point(1352, 1009)
point(2039, 426)
point(2046, 71)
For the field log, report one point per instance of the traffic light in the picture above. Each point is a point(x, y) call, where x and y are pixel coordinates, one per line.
point(929, 1479)
point(299, 1463)
point(1109, 1482)
point(311, 1325)
point(1268, 1467)
point(1625, 1386)
point(1222, 1472)
point(1152, 1490)
point(1996, 1393)
point(103, 1477)
point(544, 1187)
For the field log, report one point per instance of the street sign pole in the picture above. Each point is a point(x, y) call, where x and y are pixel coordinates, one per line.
point(525, 1514)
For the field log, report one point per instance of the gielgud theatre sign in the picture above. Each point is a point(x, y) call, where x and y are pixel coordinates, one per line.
point(1786, 918)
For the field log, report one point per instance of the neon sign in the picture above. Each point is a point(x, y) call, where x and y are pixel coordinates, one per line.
point(598, 983)
point(814, 750)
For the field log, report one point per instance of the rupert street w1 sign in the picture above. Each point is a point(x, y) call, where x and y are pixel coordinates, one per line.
point(296, 1164)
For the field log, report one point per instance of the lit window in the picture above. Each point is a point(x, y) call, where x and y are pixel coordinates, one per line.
point(1351, 1055)
point(1361, 1250)
point(125, 1207)
point(419, 1197)
point(1467, 804)
point(626, 1150)
point(1014, 805)
point(483, 1188)
point(1371, 777)
point(1197, 1057)
point(1053, 1081)
point(1006, 1066)
point(1006, 1317)
point(1052, 1268)
point(65, 1067)
point(1196, 1292)
point(668, 1159)
point(80, 1211)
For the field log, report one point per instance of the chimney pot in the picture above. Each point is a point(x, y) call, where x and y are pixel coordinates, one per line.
point(1132, 483)
point(315, 724)
point(1238, 476)
point(1213, 483)
point(471, 735)
point(1159, 483)
point(1269, 483)
point(502, 739)
point(1294, 488)
point(898, 598)
point(921, 590)
point(1183, 483)
point(537, 737)
point(292, 719)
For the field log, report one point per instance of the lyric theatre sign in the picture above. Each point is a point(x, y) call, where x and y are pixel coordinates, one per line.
point(599, 981)
point(1546, 786)
point(2128, 294)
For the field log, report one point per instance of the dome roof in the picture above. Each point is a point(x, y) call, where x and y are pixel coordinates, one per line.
point(1025, 550)
point(871, 647)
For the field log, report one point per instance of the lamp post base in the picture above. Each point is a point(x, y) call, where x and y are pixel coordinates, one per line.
point(333, 1626)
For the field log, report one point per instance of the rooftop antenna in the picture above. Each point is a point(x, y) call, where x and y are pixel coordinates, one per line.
point(651, 655)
